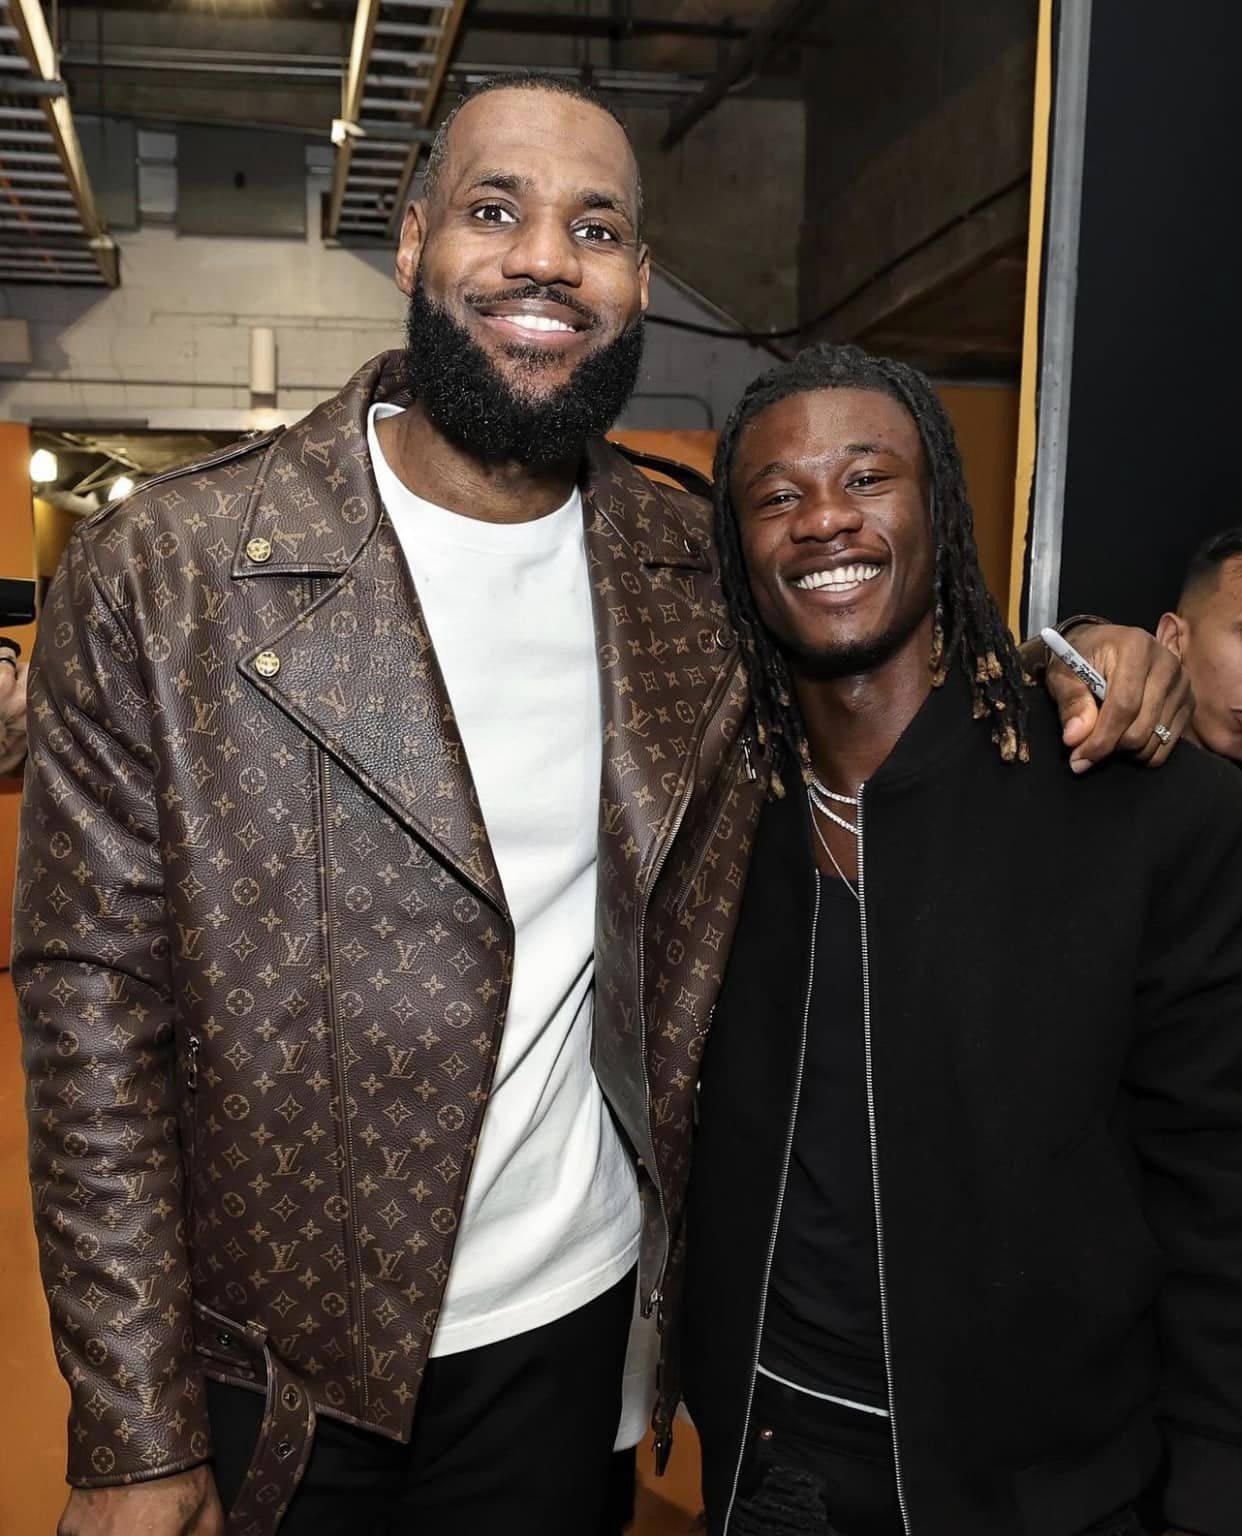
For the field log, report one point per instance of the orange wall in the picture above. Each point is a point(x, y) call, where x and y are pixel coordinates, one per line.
point(695, 446)
point(985, 418)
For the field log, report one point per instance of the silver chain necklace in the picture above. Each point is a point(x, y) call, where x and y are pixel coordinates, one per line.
point(819, 796)
point(823, 799)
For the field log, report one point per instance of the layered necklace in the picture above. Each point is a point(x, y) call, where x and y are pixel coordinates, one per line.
point(823, 800)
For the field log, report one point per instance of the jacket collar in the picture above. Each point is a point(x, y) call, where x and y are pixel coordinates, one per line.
point(316, 503)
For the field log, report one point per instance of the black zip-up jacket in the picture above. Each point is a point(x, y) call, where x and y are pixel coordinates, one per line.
point(1054, 985)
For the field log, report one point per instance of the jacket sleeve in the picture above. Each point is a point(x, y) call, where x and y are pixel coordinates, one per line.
point(1185, 1083)
point(91, 967)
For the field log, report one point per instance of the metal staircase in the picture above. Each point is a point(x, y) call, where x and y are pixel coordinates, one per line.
point(398, 56)
point(50, 230)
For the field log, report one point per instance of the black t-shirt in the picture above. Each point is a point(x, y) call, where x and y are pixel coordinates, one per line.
point(822, 1325)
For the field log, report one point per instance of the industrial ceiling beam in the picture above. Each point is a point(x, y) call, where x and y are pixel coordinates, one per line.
point(784, 21)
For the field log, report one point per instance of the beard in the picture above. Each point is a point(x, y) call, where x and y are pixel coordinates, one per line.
point(852, 657)
point(471, 402)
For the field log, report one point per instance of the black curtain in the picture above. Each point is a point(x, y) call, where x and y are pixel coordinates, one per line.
point(1155, 420)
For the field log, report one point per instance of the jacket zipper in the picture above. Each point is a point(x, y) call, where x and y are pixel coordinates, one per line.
point(339, 1073)
point(191, 1064)
point(875, 1170)
point(780, 1201)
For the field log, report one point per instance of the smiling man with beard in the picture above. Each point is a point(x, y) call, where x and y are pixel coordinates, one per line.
point(375, 888)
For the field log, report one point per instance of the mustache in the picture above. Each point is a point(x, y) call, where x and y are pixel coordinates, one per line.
point(535, 291)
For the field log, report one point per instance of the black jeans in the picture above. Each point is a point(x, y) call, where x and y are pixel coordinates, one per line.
point(514, 1437)
point(813, 1468)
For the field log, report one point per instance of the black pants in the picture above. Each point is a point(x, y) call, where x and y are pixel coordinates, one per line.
point(516, 1438)
point(813, 1468)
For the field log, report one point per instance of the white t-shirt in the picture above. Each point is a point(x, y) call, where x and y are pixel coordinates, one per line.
point(551, 1218)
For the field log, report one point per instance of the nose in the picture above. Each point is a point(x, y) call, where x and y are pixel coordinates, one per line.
point(823, 516)
point(543, 251)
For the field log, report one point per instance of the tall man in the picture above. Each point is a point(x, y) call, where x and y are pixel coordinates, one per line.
point(965, 1223)
point(1205, 633)
point(328, 863)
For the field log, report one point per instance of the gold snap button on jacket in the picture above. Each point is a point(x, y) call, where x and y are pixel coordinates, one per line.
point(267, 663)
point(259, 550)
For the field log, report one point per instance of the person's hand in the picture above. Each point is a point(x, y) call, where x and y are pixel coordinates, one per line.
point(185, 1504)
point(12, 711)
point(1146, 688)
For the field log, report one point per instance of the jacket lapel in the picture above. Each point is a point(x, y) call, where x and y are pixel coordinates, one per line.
point(356, 668)
point(664, 647)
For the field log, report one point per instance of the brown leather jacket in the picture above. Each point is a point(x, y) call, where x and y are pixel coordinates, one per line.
point(262, 949)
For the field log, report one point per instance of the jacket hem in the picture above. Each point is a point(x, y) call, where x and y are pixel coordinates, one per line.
point(145, 1475)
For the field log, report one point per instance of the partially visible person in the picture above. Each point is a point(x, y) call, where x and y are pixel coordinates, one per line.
point(12, 708)
point(1204, 632)
point(964, 1225)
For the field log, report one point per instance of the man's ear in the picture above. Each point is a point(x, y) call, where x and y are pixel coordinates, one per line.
point(644, 277)
point(1171, 633)
point(410, 246)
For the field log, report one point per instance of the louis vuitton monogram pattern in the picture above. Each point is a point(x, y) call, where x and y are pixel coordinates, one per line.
point(262, 948)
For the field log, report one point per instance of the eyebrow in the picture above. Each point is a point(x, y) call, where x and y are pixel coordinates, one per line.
point(787, 466)
point(511, 181)
point(604, 200)
point(502, 181)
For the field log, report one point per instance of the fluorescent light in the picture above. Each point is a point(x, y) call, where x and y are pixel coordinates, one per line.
point(121, 487)
point(43, 466)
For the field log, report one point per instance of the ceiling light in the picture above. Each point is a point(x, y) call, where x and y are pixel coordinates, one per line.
point(121, 487)
point(43, 466)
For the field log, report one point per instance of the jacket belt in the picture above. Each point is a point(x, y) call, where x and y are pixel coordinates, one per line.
point(286, 1436)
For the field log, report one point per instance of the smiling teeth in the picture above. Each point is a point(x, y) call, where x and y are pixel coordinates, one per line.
point(538, 323)
point(843, 576)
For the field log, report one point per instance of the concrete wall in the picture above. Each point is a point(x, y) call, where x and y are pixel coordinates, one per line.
point(918, 120)
point(171, 346)
point(724, 206)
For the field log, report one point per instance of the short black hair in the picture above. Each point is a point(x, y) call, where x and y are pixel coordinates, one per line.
point(968, 628)
point(1207, 560)
point(524, 80)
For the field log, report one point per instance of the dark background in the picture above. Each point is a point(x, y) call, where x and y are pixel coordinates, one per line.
point(1155, 443)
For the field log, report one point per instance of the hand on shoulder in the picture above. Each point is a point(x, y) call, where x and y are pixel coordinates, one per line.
point(1147, 688)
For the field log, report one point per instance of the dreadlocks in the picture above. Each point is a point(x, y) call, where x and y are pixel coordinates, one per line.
point(967, 625)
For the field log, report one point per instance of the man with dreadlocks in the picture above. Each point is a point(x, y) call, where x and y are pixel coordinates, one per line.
point(964, 1231)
